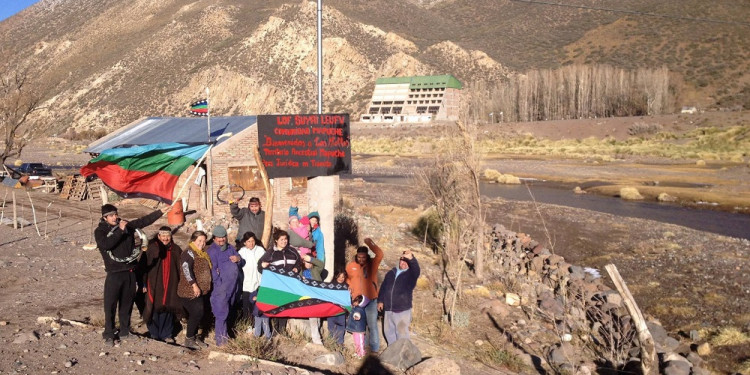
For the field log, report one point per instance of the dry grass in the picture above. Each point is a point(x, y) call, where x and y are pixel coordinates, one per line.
point(478, 291)
point(630, 193)
point(727, 336)
point(744, 368)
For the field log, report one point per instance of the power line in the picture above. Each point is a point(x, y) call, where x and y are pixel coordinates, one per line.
point(626, 11)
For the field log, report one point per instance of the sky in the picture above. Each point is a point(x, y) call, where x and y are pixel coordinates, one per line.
point(11, 7)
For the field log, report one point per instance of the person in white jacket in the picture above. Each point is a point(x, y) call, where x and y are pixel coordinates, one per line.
point(251, 252)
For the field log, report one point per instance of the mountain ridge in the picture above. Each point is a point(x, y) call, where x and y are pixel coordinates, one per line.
point(104, 64)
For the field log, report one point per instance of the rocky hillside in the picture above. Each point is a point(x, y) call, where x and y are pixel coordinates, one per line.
point(103, 64)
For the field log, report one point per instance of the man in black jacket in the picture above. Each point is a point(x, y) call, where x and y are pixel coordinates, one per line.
point(395, 297)
point(115, 239)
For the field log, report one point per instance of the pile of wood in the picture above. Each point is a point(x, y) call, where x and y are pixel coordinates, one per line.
point(76, 188)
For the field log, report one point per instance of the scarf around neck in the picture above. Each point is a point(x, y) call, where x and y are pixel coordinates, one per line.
point(201, 254)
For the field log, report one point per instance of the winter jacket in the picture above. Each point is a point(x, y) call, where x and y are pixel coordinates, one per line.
point(162, 274)
point(396, 292)
point(193, 269)
point(249, 222)
point(361, 284)
point(317, 237)
point(316, 269)
point(298, 242)
point(357, 326)
point(224, 272)
point(286, 259)
point(117, 246)
point(250, 272)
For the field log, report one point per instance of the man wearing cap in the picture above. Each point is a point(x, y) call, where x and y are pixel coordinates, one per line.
point(251, 218)
point(395, 297)
point(115, 239)
point(225, 271)
point(362, 277)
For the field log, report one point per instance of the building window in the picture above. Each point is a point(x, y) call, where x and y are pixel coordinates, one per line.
point(434, 109)
point(373, 110)
point(376, 103)
point(421, 110)
point(398, 102)
point(246, 176)
point(396, 110)
point(385, 110)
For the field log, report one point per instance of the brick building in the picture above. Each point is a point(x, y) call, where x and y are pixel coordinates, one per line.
point(232, 161)
point(414, 99)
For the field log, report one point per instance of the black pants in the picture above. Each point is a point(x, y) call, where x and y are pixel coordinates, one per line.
point(195, 310)
point(119, 289)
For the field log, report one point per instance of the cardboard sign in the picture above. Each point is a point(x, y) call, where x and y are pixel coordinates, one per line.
point(305, 145)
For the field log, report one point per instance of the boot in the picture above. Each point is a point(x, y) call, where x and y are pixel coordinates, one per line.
point(199, 341)
point(190, 343)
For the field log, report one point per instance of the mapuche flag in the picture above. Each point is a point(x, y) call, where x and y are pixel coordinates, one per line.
point(286, 294)
point(199, 108)
point(149, 171)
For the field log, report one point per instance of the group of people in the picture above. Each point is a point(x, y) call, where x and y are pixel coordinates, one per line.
point(175, 282)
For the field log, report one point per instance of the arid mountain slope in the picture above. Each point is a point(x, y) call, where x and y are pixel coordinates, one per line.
point(103, 64)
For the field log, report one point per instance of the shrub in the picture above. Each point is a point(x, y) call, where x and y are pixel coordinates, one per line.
point(493, 356)
point(700, 163)
point(730, 336)
point(630, 193)
point(429, 228)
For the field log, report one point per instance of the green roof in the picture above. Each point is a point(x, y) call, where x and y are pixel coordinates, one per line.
point(445, 80)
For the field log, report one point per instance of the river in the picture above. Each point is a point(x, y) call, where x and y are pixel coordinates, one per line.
point(715, 221)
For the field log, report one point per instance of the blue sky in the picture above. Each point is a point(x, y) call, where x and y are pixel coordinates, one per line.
point(11, 7)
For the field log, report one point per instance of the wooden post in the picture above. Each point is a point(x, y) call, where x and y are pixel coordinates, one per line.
point(15, 215)
point(649, 361)
point(33, 213)
point(266, 237)
point(103, 195)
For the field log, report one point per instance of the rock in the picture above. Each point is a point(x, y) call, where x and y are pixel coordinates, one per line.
point(68, 364)
point(700, 371)
point(512, 299)
point(402, 354)
point(674, 357)
point(26, 337)
point(561, 354)
point(140, 362)
point(695, 335)
point(435, 365)
point(695, 359)
point(663, 342)
point(3, 323)
point(62, 346)
point(478, 343)
point(677, 368)
point(703, 349)
point(499, 309)
point(578, 190)
point(331, 359)
point(55, 325)
point(153, 358)
point(127, 354)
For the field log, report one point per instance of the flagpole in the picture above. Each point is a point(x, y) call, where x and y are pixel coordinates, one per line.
point(209, 178)
point(190, 176)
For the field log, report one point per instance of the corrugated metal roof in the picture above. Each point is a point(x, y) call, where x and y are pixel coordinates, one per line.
point(446, 80)
point(172, 129)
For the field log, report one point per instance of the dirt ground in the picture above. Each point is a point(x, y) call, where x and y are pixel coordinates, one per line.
point(686, 279)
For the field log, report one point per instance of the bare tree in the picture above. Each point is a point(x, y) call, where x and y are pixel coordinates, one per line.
point(18, 101)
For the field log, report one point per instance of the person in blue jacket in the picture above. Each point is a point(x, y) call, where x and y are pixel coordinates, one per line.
point(225, 272)
point(316, 232)
point(395, 297)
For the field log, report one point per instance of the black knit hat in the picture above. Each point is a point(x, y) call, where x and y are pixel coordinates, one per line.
point(108, 209)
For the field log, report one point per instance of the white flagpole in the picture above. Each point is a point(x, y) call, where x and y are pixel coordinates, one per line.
point(190, 176)
point(209, 178)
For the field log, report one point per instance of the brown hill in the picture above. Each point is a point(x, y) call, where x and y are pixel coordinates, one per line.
point(103, 64)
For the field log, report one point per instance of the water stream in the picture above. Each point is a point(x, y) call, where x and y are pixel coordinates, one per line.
point(725, 223)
